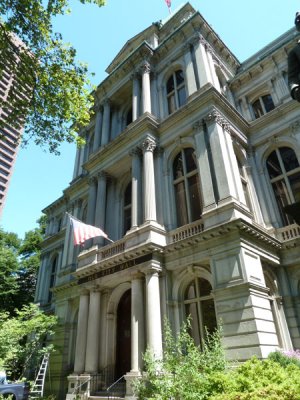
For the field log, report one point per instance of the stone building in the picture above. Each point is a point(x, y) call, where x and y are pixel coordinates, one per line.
point(191, 159)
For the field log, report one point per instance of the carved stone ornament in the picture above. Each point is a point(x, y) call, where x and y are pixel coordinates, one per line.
point(216, 116)
point(146, 68)
point(198, 126)
point(295, 127)
point(149, 144)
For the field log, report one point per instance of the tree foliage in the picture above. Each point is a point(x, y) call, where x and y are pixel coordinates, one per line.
point(51, 88)
point(19, 263)
point(187, 372)
point(22, 339)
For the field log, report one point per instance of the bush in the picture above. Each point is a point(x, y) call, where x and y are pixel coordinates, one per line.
point(285, 358)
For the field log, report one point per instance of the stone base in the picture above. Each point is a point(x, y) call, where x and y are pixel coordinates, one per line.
point(129, 378)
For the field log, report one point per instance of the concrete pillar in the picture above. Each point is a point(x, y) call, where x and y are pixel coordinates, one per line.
point(106, 123)
point(202, 152)
point(191, 85)
point(146, 92)
point(216, 127)
point(98, 128)
point(137, 323)
point(92, 201)
point(153, 312)
point(136, 188)
point(149, 145)
point(93, 330)
point(203, 68)
point(136, 96)
point(81, 338)
point(101, 204)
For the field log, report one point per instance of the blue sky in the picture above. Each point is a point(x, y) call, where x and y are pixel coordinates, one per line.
point(98, 34)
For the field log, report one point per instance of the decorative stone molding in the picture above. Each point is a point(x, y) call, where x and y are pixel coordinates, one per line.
point(145, 67)
point(135, 152)
point(295, 127)
point(216, 116)
point(149, 144)
point(198, 126)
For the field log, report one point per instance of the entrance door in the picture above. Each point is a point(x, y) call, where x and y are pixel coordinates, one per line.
point(123, 351)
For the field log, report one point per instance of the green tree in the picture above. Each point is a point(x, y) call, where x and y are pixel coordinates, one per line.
point(9, 264)
point(23, 338)
point(19, 263)
point(55, 86)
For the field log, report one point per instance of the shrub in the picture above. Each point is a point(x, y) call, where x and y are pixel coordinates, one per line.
point(285, 358)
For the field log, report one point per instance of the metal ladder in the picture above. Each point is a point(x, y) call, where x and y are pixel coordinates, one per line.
point(38, 386)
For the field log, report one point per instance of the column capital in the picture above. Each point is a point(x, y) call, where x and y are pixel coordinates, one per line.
point(102, 175)
point(215, 116)
point(145, 67)
point(198, 126)
point(92, 180)
point(149, 144)
point(152, 270)
point(136, 275)
point(135, 152)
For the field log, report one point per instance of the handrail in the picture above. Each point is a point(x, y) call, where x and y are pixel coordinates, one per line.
point(81, 384)
point(113, 384)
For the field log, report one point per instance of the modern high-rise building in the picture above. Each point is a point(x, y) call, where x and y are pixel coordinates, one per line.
point(10, 133)
point(190, 162)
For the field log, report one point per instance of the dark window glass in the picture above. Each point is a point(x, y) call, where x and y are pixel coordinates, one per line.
point(181, 206)
point(294, 181)
point(273, 165)
point(194, 193)
point(127, 209)
point(268, 102)
point(289, 158)
point(129, 117)
point(257, 109)
point(190, 159)
point(179, 77)
point(178, 167)
point(181, 96)
point(176, 94)
point(170, 84)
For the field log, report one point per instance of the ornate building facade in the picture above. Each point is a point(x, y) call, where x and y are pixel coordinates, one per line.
point(190, 162)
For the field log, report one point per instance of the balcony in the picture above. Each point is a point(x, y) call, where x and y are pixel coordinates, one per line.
point(289, 232)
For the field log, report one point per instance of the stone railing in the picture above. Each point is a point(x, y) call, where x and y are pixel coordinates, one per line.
point(288, 232)
point(185, 231)
point(112, 249)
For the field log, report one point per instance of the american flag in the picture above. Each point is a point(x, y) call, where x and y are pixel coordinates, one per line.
point(83, 232)
point(168, 2)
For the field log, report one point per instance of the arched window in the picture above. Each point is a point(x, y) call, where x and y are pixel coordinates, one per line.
point(186, 187)
point(176, 94)
point(262, 105)
point(53, 268)
point(284, 173)
point(199, 305)
point(127, 209)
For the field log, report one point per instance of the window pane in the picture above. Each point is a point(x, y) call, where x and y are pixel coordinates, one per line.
point(268, 102)
point(170, 84)
point(190, 292)
point(282, 199)
point(257, 109)
point(171, 104)
point(181, 96)
point(191, 310)
point(289, 158)
point(127, 219)
point(204, 287)
point(273, 165)
point(127, 195)
point(295, 185)
point(209, 315)
point(194, 197)
point(129, 117)
point(181, 207)
point(178, 167)
point(179, 77)
point(190, 159)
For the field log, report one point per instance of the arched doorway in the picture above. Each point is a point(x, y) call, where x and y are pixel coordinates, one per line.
point(123, 339)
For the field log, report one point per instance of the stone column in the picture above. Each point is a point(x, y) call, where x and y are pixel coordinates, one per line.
point(98, 128)
point(106, 123)
point(149, 185)
point(81, 338)
point(211, 63)
point(137, 323)
point(93, 330)
point(81, 159)
point(203, 69)
point(146, 92)
point(135, 188)
point(189, 71)
point(76, 165)
point(153, 312)
point(154, 96)
point(101, 204)
point(92, 201)
point(42, 293)
point(204, 164)
point(216, 127)
point(136, 96)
